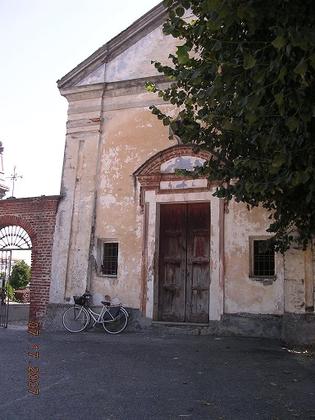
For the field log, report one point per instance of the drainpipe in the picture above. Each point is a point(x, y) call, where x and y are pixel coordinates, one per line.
point(92, 258)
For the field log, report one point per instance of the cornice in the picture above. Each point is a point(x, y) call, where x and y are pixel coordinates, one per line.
point(94, 90)
point(111, 88)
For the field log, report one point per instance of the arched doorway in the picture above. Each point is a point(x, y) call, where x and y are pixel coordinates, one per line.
point(182, 246)
point(14, 240)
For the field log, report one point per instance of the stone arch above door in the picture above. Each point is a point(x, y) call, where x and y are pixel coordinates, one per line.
point(159, 172)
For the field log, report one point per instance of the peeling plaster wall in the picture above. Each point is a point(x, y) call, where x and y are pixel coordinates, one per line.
point(150, 47)
point(130, 137)
point(117, 141)
point(75, 214)
point(294, 286)
point(287, 294)
point(242, 293)
point(110, 133)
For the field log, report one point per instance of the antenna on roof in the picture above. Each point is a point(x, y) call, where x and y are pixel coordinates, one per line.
point(14, 177)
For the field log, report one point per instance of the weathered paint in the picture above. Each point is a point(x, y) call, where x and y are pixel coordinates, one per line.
point(117, 210)
point(183, 184)
point(216, 292)
point(242, 291)
point(140, 54)
point(110, 134)
point(188, 163)
point(294, 286)
point(309, 279)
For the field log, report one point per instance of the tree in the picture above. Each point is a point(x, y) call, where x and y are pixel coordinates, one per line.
point(243, 80)
point(20, 275)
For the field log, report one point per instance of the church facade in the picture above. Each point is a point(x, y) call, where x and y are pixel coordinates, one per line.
point(129, 226)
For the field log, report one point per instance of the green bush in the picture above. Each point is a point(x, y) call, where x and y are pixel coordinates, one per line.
point(21, 275)
point(10, 291)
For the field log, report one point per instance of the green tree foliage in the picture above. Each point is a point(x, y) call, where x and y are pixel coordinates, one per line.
point(243, 79)
point(10, 291)
point(20, 275)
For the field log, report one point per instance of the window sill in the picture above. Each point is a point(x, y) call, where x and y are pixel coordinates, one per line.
point(265, 280)
point(108, 276)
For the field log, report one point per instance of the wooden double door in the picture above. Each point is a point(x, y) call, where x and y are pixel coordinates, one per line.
point(184, 262)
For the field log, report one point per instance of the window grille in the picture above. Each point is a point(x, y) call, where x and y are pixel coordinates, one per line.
point(263, 258)
point(110, 259)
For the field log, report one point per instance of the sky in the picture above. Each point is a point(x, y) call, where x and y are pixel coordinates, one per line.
point(41, 41)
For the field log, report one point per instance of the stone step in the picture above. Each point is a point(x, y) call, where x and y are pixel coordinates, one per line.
point(181, 328)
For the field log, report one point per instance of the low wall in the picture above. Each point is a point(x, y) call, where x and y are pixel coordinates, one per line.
point(299, 328)
point(18, 312)
point(290, 328)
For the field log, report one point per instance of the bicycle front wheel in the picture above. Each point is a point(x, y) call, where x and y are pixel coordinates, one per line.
point(75, 319)
point(118, 324)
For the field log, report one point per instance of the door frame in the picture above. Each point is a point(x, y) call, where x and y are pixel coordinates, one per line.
point(187, 231)
point(153, 200)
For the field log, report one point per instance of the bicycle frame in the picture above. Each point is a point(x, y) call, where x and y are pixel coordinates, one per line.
point(98, 318)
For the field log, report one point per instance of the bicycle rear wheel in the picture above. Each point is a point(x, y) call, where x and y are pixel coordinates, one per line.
point(118, 324)
point(75, 319)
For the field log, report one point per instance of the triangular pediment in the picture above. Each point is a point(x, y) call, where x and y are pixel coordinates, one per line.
point(128, 56)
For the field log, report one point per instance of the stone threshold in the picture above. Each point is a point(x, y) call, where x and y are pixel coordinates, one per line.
point(180, 324)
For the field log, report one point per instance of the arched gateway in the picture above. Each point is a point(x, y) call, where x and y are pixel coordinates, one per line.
point(12, 238)
point(28, 224)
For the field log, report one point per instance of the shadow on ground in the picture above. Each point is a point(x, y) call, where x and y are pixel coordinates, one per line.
point(153, 376)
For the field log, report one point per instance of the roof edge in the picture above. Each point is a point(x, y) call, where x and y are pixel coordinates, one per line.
point(151, 19)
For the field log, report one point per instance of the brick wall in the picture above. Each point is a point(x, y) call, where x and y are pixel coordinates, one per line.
point(37, 217)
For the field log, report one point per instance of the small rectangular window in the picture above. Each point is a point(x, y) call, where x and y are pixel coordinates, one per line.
point(110, 259)
point(262, 258)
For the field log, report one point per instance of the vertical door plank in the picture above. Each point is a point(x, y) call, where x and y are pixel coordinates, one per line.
point(172, 262)
point(198, 262)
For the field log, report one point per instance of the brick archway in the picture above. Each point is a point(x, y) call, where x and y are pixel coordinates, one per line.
point(36, 215)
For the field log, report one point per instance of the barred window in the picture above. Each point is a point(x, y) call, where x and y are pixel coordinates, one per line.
point(110, 259)
point(262, 258)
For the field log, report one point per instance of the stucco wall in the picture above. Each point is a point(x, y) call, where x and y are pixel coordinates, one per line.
point(243, 293)
point(152, 46)
point(129, 138)
point(110, 133)
point(74, 221)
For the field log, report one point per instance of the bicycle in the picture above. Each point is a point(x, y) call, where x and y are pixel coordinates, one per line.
point(78, 317)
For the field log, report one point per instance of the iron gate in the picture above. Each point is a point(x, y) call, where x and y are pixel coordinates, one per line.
point(12, 238)
point(5, 269)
